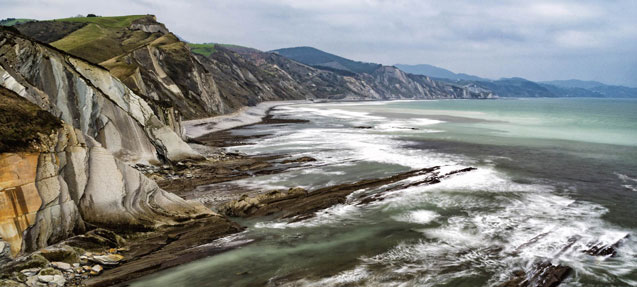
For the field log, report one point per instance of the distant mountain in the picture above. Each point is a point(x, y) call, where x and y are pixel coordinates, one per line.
point(574, 84)
point(519, 87)
point(572, 92)
point(516, 87)
point(609, 91)
point(437, 72)
point(207, 49)
point(323, 60)
point(586, 88)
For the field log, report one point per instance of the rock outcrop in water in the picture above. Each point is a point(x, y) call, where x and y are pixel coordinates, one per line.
point(60, 179)
point(547, 274)
point(298, 204)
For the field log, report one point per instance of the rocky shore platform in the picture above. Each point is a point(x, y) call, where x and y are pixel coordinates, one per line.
point(102, 257)
point(113, 257)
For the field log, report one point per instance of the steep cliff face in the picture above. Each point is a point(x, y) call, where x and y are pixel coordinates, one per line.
point(147, 58)
point(160, 68)
point(90, 99)
point(178, 83)
point(242, 83)
point(393, 83)
point(314, 82)
point(382, 83)
point(62, 179)
point(167, 74)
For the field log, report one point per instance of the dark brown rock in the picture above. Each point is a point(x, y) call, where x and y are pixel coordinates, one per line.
point(96, 239)
point(30, 261)
point(297, 204)
point(598, 249)
point(545, 274)
point(542, 275)
point(62, 253)
point(168, 247)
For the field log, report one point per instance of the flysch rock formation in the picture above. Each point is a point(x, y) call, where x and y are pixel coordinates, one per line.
point(176, 82)
point(64, 181)
point(165, 73)
point(147, 58)
point(118, 101)
point(90, 99)
point(384, 83)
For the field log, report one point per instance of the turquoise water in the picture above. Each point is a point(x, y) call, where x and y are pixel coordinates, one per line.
point(560, 169)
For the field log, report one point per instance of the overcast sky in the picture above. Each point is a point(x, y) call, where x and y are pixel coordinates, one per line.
point(538, 40)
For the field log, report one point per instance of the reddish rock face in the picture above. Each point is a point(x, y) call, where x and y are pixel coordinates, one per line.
point(19, 198)
point(57, 177)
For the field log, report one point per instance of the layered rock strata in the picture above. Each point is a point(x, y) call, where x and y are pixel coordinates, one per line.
point(90, 99)
point(64, 179)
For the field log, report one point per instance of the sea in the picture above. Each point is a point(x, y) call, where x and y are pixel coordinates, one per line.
point(553, 177)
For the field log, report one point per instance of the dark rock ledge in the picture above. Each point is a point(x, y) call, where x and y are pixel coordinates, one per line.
point(546, 274)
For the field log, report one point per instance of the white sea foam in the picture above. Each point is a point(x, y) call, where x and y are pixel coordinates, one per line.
point(505, 240)
point(629, 182)
point(498, 225)
point(625, 178)
point(418, 216)
point(336, 113)
point(358, 274)
point(330, 215)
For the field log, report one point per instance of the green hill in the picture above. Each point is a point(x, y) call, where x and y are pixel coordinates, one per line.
point(106, 22)
point(207, 49)
point(323, 60)
point(96, 39)
point(14, 21)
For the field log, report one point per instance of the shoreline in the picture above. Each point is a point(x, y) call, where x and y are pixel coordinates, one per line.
point(171, 246)
point(211, 182)
point(242, 117)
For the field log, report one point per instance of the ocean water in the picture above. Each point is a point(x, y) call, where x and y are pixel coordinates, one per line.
point(549, 172)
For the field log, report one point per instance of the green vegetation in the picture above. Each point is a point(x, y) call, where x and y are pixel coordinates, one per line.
point(103, 37)
point(22, 123)
point(205, 49)
point(106, 22)
point(87, 34)
point(322, 60)
point(14, 21)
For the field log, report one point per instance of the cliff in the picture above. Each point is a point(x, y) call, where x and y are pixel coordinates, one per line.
point(179, 83)
point(145, 56)
point(366, 82)
point(96, 96)
point(90, 99)
point(59, 179)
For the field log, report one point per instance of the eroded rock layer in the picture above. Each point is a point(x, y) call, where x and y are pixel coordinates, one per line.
point(88, 98)
point(63, 179)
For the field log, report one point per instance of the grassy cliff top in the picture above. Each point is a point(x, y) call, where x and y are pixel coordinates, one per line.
point(14, 21)
point(106, 22)
point(207, 49)
point(102, 38)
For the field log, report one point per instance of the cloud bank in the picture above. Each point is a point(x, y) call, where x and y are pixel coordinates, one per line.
point(538, 40)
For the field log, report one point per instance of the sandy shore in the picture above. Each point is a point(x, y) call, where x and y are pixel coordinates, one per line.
point(242, 117)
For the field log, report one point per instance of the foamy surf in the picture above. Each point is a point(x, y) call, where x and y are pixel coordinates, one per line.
point(477, 228)
point(526, 223)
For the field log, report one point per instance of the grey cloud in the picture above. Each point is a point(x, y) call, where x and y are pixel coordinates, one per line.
point(539, 40)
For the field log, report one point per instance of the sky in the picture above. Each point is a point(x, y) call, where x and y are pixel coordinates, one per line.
point(538, 40)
